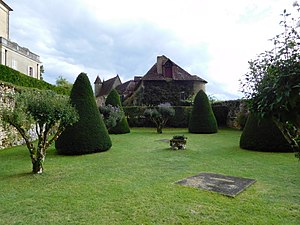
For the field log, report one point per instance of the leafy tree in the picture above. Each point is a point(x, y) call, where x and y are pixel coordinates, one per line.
point(272, 84)
point(159, 116)
point(121, 126)
point(202, 118)
point(88, 134)
point(63, 83)
point(48, 112)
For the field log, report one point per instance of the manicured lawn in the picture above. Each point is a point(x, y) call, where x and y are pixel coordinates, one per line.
point(134, 183)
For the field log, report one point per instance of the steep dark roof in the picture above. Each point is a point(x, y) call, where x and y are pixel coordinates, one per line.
point(98, 80)
point(178, 73)
point(108, 85)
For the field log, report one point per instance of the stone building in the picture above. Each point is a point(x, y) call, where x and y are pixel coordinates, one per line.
point(165, 82)
point(11, 53)
point(103, 88)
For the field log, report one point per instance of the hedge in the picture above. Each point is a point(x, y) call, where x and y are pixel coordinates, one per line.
point(14, 77)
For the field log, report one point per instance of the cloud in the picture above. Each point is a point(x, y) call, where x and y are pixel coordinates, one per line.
point(213, 39)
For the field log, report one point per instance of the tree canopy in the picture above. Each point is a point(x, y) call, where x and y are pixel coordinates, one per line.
point(272, 84)
point(47, 113)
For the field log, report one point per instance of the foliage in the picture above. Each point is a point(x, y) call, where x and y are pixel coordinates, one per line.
point(157, 92)
point(159, 116)
point(121, 126)
point(202, 118)
point(14, 77)
point(89, 134)
point(135, 184)
point(221, 113)
point(62, 83)
point(273, 82)
point(111, 115)
point(263, 135)
point(48, 112)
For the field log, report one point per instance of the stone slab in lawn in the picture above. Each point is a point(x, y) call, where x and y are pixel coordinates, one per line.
point(226, 185)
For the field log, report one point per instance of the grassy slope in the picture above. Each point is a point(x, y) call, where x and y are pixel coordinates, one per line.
point(133, 183)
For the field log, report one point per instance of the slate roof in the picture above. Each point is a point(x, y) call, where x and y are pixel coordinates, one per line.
point(178, 73)
point(108, 85)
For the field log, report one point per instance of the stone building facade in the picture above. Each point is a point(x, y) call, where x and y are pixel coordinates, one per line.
point(11, 53)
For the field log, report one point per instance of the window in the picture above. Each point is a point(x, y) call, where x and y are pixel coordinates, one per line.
point(182, 96)
point(14, 64)
point(30, 71)
point(168, 69)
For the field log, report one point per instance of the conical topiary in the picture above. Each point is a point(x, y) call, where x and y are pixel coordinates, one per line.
point(263, 135)
point(89, 134)
point(122, 126)
point(202, 120)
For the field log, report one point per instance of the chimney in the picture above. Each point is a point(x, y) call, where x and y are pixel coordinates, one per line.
point(159, 65)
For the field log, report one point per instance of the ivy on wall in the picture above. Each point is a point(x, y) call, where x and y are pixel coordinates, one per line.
point(173, 92)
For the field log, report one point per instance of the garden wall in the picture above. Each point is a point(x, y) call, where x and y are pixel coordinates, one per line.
point(227, 114)
point(8, 135)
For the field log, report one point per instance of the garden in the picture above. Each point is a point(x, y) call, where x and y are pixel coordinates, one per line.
point(99, 170)
point(134, 183)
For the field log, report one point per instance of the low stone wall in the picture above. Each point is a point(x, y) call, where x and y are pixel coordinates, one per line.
point(235, 107)
point(8, 135)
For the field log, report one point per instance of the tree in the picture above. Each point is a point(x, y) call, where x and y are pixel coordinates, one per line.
point(48, 112)
point(159, 116)
point(272, 84)
point(121, 126)
point(64, 84)
point(88, 134)
point(202, 118)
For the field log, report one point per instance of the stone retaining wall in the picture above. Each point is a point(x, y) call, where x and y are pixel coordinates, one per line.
point(8, 135)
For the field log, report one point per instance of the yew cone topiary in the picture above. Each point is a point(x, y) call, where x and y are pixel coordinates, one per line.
point(122, 126)
point(202, 120)
point(263, 135)
point(89, 134)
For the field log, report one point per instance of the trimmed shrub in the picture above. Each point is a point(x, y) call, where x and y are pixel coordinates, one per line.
point(122, 126)
point(89, 134)
point(181, 117)
point(14, 77)
point(202, 118)
point(221, 113)
point(263, 135)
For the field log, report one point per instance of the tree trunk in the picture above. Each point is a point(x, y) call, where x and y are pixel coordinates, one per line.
point(159, 129)
point(37, 167)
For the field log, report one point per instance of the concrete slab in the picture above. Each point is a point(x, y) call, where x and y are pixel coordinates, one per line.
point(226, 185)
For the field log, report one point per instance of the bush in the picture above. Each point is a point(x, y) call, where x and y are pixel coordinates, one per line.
point(221, 113)
point(89, 134)
point(122, 126)
point(202, 119)
point(14, 77)
point(263, 135)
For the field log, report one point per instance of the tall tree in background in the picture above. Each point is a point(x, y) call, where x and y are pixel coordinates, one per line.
point(48, 112)
point(272, 84)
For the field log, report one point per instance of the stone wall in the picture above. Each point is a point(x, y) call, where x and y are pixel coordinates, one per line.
point(235, 108)
point(8, 135)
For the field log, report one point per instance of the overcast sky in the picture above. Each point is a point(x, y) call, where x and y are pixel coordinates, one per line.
point(212, 39)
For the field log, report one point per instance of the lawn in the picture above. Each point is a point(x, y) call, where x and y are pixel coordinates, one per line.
point(134, 183)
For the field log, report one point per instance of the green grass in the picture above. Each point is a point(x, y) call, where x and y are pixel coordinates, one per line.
point(134, 183)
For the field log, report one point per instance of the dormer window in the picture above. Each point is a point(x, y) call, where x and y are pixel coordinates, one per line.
point(168, 69)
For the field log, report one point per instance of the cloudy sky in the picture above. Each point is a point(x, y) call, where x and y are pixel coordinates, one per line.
point(212, 39)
